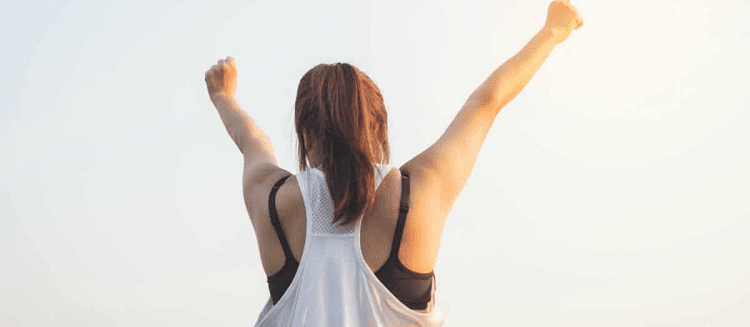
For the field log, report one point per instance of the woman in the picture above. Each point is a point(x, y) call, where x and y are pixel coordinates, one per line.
point(350, 240)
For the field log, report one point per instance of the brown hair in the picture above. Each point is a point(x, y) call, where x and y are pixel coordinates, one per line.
point(340, 116)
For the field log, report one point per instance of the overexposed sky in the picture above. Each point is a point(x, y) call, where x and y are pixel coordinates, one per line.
point(613, 191)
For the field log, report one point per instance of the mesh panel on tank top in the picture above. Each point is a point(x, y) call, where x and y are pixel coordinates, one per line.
point(323, 212)
point(322, 219)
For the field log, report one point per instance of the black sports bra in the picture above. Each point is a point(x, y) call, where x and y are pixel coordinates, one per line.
point(411, 288)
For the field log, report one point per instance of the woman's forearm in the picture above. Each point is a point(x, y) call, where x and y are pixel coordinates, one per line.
point(509, 79)
point(243, 130)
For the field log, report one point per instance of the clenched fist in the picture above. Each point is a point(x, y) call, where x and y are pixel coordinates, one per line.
point(562, 19)
point(221, 79)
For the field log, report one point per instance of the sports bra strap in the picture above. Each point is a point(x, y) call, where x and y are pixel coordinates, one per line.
point(403, 210)
point(275, 218)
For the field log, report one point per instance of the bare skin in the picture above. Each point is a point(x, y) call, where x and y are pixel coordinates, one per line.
point(437, 174)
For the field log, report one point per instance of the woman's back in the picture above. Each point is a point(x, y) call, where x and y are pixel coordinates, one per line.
point(418, 247)
point(333, 283)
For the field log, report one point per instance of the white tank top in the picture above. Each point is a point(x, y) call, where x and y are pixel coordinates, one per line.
point(333, 285)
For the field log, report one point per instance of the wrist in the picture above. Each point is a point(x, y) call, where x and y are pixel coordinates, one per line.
point(548, 36)
point(221, 97)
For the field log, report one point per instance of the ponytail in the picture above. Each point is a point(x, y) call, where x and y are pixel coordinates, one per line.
point(340, 116)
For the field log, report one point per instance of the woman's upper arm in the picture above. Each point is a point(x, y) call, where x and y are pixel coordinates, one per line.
point(257, 180)
point(442, 169)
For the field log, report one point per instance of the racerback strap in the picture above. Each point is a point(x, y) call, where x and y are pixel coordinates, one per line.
point(403, 210)
point(275, 218)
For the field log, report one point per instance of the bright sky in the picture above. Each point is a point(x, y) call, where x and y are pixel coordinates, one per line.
point(613, 191)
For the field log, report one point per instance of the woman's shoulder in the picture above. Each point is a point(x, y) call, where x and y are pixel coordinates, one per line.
point(289, 198)
point(256, 193)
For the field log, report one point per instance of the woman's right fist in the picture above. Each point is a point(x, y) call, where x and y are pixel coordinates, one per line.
point(562, 19)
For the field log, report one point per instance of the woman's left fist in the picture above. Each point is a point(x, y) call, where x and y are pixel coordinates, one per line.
point(222, 78)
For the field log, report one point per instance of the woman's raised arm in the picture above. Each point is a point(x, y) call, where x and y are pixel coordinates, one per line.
point(443, 168)
point(253, 142)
